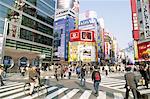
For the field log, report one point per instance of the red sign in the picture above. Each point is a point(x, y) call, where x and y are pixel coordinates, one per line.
point(135, 24)
point(74, 35)
point(82, 35)
point(144, 51)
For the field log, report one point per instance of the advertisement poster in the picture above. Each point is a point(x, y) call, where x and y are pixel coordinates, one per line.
point(73, 51)
point(144, 51)
point(86, 36)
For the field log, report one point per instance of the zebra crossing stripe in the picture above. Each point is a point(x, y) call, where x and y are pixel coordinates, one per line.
point(52, 95)
point(70, 94)
point(14, 96)
point(101, 95)
point(118, 96)
point(86, 94)
point(119, 86)
point(10, 85)
point(10, 88)
point(11, 92)
point(36, 94)
point(116, 84)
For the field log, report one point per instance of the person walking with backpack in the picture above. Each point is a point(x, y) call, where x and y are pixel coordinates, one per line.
point(96, 77)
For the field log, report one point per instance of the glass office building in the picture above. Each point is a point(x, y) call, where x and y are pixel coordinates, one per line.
point(29, 31)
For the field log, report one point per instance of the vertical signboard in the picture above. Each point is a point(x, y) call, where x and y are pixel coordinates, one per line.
point(135, 24)
point(146, 18)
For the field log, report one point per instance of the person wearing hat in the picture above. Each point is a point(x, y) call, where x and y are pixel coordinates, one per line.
point(96, 77)
point(1, 71)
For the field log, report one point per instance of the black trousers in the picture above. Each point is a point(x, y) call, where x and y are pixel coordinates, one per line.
point(1, 80)
point(135, 93)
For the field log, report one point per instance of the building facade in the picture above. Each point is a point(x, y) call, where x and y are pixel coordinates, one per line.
point(141, 29)
point(66, 19)
point(29, 34)
point(89, 21)
point(62, 37)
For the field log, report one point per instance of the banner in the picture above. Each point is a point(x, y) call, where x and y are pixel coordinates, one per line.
point(135, 24)
point(144, 51)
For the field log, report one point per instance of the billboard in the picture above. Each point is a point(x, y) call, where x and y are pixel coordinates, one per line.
point(82, 35)
point(107, 50)
point(82, 51)
point(64, 4)
point(144, 51)
point(135, 24)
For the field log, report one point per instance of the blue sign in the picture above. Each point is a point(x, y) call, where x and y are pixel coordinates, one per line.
point(86, 22)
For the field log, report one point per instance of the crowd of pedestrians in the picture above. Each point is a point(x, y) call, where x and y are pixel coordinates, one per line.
point(83, 71)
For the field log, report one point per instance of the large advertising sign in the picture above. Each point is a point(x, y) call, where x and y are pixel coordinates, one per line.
point(144, 51)
point(86, 22)
point(82, 35)
point(86, 36)
point(107, 50)
point(135, 24)
point(82, 51)
point(73, 51)
point(146, 18)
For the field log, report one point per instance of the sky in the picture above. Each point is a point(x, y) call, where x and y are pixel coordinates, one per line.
point(117, 17)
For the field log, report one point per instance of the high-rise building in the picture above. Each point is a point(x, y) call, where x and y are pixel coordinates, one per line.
point(141, 29)
point(29, 32)
point(66, 19)
point(88, 21)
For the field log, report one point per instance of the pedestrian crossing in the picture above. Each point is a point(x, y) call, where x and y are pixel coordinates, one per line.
point(15, 90)
point(119, 85)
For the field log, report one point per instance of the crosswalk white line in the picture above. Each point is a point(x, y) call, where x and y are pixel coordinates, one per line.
point(116, 84)
point(52, 95)
point(10, 88)
point(70, 94)
point(118, 96)
point(39, 94)
point(86, 94)
point(11, 92)
point(14, 96)
point(10, 85)
point(101, 95)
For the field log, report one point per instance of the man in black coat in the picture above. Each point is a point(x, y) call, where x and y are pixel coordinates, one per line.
point(131, 84)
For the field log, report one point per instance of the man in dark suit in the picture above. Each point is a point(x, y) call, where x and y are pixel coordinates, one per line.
point(131, 84)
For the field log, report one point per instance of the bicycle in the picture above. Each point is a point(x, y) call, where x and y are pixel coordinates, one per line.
point(40, 89)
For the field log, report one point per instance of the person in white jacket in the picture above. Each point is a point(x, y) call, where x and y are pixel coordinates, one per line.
point(106, 69)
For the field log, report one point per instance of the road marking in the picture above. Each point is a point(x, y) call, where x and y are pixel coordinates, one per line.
point(36, 94)
point(118, 96)
point(11, 92)
point(101, 95)
point(70, 94)
point(52, 95)
point(10, 88)
point(10, 84)
point(86, 94)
